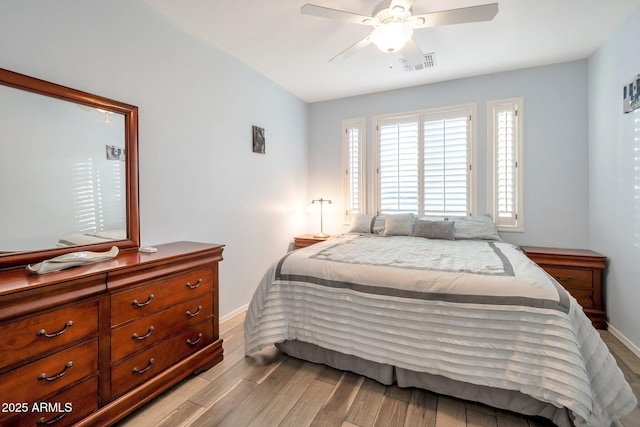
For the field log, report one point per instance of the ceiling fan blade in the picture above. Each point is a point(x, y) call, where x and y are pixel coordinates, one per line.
point(485, 12)
point(340, 15)
point(412, 54)
point(354, 48)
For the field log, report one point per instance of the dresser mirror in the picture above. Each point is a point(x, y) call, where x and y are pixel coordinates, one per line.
point(68, 171)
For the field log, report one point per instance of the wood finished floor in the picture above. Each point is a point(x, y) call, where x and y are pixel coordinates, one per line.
point(271, 389)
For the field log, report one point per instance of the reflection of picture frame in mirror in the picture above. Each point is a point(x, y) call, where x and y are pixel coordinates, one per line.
point(258, 140)
point(115, 153)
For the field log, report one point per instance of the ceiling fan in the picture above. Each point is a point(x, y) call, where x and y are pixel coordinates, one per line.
point(393, 23)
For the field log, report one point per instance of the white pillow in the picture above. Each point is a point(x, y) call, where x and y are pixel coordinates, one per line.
point(362, 223)
point(476, 227)
point(398, 225)
point(365, 223)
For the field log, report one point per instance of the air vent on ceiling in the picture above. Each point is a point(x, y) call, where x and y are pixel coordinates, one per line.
point(429, 62)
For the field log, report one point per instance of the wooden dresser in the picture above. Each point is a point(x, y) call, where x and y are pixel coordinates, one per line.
point(580, 272)
point(89, 345)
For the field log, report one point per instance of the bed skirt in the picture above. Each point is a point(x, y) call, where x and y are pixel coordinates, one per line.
point(387, 374)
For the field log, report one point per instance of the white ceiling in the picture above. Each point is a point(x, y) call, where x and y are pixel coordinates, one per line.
point(293, 50)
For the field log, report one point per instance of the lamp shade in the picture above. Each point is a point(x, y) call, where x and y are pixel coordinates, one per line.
point(393, 36)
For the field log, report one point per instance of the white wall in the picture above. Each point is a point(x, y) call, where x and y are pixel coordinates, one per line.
point(614, 175)
point(555, 139)
point(199, 179)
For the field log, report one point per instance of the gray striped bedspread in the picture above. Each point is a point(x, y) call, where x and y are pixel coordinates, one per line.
point(474, 311)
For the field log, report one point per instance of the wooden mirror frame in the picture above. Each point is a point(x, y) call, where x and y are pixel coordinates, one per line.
point(130, 112)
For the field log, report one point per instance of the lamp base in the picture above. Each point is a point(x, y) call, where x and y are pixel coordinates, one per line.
point(321, 235)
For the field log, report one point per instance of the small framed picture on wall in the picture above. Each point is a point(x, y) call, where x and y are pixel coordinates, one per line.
point(258, 140)
point(631, 95)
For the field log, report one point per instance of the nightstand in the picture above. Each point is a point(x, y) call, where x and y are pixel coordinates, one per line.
point(307, 240)
point(580, 272)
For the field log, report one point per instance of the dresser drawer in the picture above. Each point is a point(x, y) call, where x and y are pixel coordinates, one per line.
point(572, 277)
point(149, 330)
point(130, 372)
point(160, 294)
point(38, 379)
point(26, 339)
point(63, 409)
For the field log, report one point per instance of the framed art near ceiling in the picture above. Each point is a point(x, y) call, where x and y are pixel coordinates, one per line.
point(631, 95)
point(258, 140)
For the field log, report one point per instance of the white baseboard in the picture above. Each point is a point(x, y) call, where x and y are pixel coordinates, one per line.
point(631, 346)
point(234, 313)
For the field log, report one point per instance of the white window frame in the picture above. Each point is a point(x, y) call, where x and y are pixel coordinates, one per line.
point(347, 163)
point(469, 110)
point(512, 220)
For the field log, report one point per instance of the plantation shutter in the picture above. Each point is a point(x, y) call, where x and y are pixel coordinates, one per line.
point(399, 161)
point(446, 155)
point(505, 153)
point(425, 163)
point(353, 136)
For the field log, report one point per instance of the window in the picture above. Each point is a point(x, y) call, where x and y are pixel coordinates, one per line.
point(425, 162)
point(352, 158)
point(504, 144)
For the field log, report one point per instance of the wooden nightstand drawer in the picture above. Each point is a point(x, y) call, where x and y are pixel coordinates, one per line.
point(153, 329)
point(32, 382)
point(572, 277)
point(580, 272)
point(583, 296)
point(159, 295)
point(39, 335)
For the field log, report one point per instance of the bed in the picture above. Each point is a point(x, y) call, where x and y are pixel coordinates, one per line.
point(443, 305)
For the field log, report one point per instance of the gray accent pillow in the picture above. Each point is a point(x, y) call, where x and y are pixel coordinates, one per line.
point(434, 229)
point(398, 225)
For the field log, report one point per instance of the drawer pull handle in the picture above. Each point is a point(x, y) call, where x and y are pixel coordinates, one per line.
point(43, 332)
point(142, 304)
point(190, 314)
point(198, 283)
point(566, 279)
point(135, 335)
point(196, 341)
point(43, 420)
point(43, 376)
point(143, 370)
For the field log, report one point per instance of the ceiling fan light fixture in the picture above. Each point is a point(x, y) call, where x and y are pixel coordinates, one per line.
point(392, 36)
